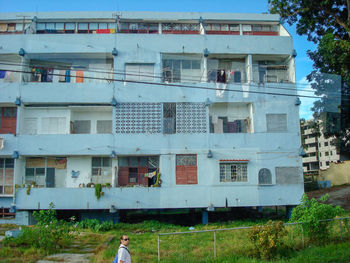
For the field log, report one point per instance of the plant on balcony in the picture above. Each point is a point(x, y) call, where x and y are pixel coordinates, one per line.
point(98, 191)
point(108, 185)
point(28, 189)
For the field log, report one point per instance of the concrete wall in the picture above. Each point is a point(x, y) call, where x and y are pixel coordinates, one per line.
point(337, 173)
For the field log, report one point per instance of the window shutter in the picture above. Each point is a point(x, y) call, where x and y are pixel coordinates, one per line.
point(142, 179)
point(191, 172)
point(146, 72)
point(132, 71)
point(30, 126)
point(181, 177)
point(123, 176)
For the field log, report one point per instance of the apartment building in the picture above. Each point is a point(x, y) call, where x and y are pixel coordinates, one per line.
point(165, 110)
point(320, 151)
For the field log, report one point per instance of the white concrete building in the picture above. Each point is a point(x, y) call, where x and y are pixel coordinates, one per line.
point(194, 110)
point(320, 151)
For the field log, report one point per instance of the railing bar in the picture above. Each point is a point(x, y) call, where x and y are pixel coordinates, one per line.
point(245, 227)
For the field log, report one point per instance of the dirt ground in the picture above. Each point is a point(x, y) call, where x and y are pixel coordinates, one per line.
point(338, 195)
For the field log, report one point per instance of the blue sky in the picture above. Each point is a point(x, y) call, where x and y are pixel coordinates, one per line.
point(303, 63)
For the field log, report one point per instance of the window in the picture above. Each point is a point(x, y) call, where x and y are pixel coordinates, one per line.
point(180, 28)
point(265, 176)
point(276, 122)
point(133, 170)
point(53, 125)
point(104, 126)
point(320, 154)
point(9, 112)
point(325, 143)
point(82, 127)
point(8, 121)
point(326, 153)
point(181, 68)
point(327, 163)
point(233, 172)
point(136, 72)
point(331, 152)
point(7, 166)
point(30, 126)
point(186, 169)
point(101, 170)
point(169, 118)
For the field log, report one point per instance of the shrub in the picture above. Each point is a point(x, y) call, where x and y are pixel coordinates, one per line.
point(267, 238)
point(49, 233)
point(95, 225)
point(310, 212)
point(45, 217)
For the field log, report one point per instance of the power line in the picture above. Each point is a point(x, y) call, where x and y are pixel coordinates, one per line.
point(179, 85)
point(120, 72)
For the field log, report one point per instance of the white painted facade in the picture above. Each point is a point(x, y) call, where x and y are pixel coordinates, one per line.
point(261, 94)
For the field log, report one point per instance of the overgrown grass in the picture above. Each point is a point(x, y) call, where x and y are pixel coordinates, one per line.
point(232, 246)
point(8, 254)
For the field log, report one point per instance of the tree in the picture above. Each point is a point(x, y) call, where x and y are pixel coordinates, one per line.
point(327, 24)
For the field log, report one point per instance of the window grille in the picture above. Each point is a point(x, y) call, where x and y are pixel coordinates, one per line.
point(6, 176)
point(186, 160)
point(138, 118)
point(82, 127)
point(169, 118)
point(265, 176)
point(233, 172)
point(104, 126)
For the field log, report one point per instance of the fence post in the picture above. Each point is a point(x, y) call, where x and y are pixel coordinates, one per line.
point(214, 244)
point(341, 229)
point(158, 248)
point(302, 232)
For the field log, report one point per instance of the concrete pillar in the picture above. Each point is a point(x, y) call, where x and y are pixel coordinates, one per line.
point(205, 217)
point(249, 68)
point(116, 217)
point(259, 208)
point(289, 209)
point(205, 70)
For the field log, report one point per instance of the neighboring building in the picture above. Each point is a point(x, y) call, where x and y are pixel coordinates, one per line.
point(188, 102)
point(320, 152)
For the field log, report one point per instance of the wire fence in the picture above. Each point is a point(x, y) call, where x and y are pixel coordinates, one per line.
point(235, 240)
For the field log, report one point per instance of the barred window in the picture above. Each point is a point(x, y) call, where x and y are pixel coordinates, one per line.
point(233, 172)
point(104, 126)
point(6, 176)
point(82, 127)
point(265, 176)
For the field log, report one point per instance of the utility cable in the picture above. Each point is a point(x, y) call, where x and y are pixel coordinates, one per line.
point(179, 85)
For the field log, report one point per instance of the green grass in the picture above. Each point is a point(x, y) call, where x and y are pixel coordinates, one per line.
point(232, 246)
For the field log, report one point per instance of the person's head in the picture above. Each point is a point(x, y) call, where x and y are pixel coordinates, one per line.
point(124, 240)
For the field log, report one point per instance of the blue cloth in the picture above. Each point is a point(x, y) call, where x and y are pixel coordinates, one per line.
point(2, 74)
point(67, 75)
